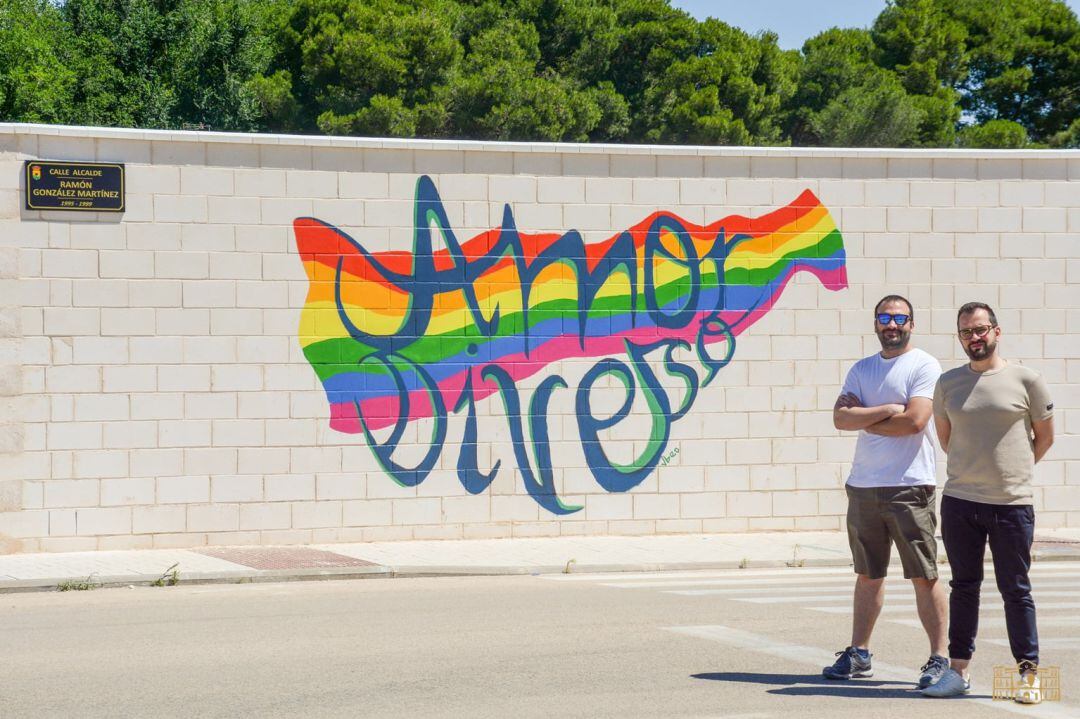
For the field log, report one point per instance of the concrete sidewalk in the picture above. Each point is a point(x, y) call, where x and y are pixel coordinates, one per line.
point(84, 570)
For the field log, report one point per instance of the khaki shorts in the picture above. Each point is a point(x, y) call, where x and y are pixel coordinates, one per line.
point(879, 516)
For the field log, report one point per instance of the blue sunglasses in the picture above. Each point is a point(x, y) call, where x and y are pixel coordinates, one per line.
point(884, 318)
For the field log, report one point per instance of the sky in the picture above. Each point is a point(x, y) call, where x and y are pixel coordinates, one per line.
point(793, 20)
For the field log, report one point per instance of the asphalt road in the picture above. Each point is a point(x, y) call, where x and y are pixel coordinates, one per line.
point(738, 644)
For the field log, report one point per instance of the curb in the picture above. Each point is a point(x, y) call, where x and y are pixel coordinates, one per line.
point(254, 576)
point(1063, 553)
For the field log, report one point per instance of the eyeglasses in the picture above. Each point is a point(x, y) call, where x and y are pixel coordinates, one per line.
point(980, 331)
point(885, 318)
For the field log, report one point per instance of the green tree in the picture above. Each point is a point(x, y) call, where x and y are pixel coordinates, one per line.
point(1025, 63)
point(1015, 60)
point(652, 36)
point(730, 91)
point(832, 61)
point(353, 66)
point(37, 82)
point(1068, 138)
point(554, 70)
point(507, 91)
point(163, 63)
point(996, 134)
point(923, 42)
point(871, 115)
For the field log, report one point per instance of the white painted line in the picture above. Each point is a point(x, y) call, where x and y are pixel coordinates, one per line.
point(638, 580)
point(1066, 643)
point(1052, 583)
point(1038, 570)
point(746, 594)
point(991, 609)
point(729, 573)
point(795, 585)
point(812, 656)
point(754, 596)
point(846, 580)
point(996, 624)
point(845, 597)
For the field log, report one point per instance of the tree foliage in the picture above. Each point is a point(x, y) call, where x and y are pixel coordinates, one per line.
point(36, 79)
point(928, 73)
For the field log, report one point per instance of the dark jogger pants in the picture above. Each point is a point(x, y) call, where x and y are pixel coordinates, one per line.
point(966, 527)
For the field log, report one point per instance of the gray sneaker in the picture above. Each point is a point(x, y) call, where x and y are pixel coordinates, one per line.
point(951, 684)
point(933, 670)
point(849, 664)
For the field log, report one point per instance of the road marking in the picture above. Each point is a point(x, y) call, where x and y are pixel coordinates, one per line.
point(740, 595)
point(994, 609)
point(998, 623)
point(752, 592)
point(813, 656)
point(1067, 643)
point(846, 597)
point(834, 597)
point(846, 580)
point(1039, 569)
point(732, 573)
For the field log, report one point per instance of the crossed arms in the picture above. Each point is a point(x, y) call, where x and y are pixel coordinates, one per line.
point(890, 420)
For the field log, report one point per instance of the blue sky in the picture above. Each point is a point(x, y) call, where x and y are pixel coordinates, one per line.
point(793, 20)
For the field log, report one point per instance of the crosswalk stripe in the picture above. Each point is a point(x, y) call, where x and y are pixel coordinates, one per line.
point(1039, 569)
point(825, 583)
point(995, 609)
point(998, 623)
point(848, 579)
point(812, 656)
point(722, 573)
point(741, 595)
point(847, 596)
point(1059, 643)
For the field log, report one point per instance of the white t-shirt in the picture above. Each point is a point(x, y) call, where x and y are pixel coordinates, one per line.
point(893, 461)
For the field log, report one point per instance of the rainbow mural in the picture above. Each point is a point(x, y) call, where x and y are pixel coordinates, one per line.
point(398, 336)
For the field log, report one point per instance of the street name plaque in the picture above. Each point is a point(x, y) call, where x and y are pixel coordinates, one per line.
point(76, 186)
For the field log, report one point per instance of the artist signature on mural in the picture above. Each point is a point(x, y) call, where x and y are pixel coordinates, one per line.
point(666, 459)
point(399, 336)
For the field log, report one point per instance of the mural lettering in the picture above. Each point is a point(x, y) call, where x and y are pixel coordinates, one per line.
point(399, 336)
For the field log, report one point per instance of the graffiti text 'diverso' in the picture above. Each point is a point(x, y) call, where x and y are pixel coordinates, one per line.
point(399, 336)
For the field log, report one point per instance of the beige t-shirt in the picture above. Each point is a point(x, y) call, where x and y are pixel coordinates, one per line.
point(991, 457)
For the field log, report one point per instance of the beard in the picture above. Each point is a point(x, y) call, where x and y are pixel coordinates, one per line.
point(980, 349)
point(893, 339)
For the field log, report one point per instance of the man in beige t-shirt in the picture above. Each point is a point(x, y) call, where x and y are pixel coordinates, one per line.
point(995, 420)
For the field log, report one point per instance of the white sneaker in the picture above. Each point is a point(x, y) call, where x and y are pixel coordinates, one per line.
point(1029, 690)
point(951, 684)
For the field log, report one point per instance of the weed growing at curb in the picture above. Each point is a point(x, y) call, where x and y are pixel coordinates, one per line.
point(169, 578)
point(78, 586)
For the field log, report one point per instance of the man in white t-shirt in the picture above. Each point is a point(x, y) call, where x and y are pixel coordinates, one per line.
point(888, 398)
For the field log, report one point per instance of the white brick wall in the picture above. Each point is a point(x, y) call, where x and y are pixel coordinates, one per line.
point(153, 391)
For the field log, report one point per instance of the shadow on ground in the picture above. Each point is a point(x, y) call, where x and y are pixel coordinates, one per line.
point(803, 685)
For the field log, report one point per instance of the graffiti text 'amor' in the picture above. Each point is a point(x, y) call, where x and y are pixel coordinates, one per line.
point(399, 336)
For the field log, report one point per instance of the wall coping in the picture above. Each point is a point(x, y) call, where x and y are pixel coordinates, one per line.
point(189, 136)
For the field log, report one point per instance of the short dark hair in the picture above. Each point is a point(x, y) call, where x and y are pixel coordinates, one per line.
point(970, 307)
point(895, 298)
